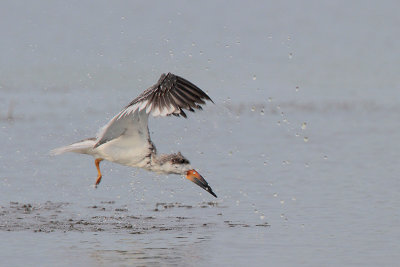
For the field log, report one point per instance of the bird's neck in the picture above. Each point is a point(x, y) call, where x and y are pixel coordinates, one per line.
point(160, 163)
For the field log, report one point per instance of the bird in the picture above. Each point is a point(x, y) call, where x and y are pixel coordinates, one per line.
point(125, 139)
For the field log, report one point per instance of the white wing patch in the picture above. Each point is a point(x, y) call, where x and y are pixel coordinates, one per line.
point(129, 123)
point(143, 104)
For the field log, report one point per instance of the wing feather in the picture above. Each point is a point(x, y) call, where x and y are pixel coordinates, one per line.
point(179, 100)
point(196, 90)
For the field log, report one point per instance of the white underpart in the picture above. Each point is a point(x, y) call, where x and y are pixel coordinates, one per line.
point(126, 150)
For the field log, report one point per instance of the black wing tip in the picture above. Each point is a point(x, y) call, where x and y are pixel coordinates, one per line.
point(203, 94)
point(168, 82)
point(183, 114)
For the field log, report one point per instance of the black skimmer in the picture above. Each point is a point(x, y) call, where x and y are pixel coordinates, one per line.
point(125, 139)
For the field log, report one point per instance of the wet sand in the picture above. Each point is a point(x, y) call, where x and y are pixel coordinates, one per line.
point(106, 217)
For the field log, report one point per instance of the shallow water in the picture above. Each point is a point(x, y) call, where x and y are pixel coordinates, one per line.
point(302, 155)
point(328, 201)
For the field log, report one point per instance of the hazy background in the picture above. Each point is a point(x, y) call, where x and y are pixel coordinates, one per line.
point(303, 136)
point(318, 45)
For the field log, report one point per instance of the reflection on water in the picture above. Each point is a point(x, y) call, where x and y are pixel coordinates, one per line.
point(175, 247)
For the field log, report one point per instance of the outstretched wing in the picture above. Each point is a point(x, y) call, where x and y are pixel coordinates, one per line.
point(131, 127)
point(169, 96)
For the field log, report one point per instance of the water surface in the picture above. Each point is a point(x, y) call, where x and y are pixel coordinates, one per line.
point(301, 146)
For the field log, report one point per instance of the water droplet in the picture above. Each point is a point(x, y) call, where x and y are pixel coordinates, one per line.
point(275, 194)
point(262, 217)
point(209, 60)
point(262, 112)
point(201, 52)
point(269, 99)
point(265, 163)
point(238, 42)
point(193, 44)
point(289, 38)
point(290, 55)
point(190, 55)
point(297, 88)
point(253, 108)
point(282, 202)
point(254, 77)
point(303, 125)
point(305, 139)
point(278, 122)
point(297, 134)
point(227, 46)
point(325, 157)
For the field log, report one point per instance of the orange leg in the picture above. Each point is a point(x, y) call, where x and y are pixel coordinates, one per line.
point(97, 163)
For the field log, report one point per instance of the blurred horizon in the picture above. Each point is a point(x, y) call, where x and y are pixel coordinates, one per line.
point(328, 50)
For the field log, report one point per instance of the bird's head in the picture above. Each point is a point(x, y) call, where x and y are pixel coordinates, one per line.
point(178, 164)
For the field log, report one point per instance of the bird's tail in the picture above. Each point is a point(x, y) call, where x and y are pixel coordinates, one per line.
point(82, 147)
